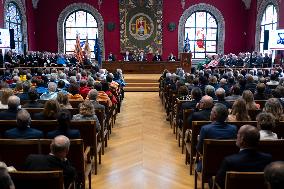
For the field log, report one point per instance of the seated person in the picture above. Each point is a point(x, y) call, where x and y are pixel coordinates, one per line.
point(5, 180)
point(239, 111)
point(23, 130)
point(265, 124)
point(111, 57)
point(64, 121)
point(13, 107)
point(157, 57)
point(84, 89)
point(92, 96)
point(127, 57)
point(274, 175)
point(33, 97)
point(220, 94)
point(87, 112)
point(102, 96)
point(6, 93)
point(106, 89)
point(50, 110)
point(171, 58)
point(55, 160)
point(248, 159)
point(74, 90)
point(260, 92)
point(142, 57)
point(51, 93)
point(24, 95)
point(63, 101)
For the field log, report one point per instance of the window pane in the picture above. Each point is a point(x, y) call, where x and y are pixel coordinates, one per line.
point(70, 45)
point(81, 19)
point(211, 34)
point(201, 19)
point(211, 22)
point(200, 55)
point(211, 46)
point(91, 21)
point(190, 21)
point(70, 22)
point(190, 32)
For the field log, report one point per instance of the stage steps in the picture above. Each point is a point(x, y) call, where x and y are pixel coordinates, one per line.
point(141, 82)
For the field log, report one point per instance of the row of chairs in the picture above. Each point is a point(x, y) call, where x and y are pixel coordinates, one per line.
point(93, 146)
point(214, 150)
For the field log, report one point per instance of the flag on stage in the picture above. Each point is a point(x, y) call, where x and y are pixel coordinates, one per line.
point(87, 49)
point(97, 51)
point(186, 44)
point(82, 43)
point(78, 50)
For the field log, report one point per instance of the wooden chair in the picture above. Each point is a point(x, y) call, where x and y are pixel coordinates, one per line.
point(185, 126)
point(178, 116)
point(245, 180)
point(38, 179)
point(104, 131)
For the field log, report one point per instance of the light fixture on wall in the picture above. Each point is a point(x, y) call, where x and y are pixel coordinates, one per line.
point(182, 2)
point(171, 26)
point(100, 2)
point(110, 26)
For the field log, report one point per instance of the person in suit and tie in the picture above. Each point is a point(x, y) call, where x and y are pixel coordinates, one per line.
point(111, 57)
point(157, 57)
point(55, 160)
point(128, 57)
point(23, 130)
point(248, 159)
point(142, 57)
point(171, 58)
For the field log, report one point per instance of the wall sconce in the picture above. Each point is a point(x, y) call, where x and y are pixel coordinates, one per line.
point(171, 26)
point(110, 26)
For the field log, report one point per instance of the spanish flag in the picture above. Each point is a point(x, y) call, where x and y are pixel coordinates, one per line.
point(78, 50)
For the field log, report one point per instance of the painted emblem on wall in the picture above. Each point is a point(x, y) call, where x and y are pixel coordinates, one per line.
point(141, 25)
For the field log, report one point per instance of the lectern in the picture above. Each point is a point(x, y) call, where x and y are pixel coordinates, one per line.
point(185, 61)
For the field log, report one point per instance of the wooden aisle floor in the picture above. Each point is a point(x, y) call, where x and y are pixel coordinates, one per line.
point(142, 152)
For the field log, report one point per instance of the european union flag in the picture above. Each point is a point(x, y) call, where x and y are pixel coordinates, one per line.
point(186, 44)
point(97, 51)
point(82, 43)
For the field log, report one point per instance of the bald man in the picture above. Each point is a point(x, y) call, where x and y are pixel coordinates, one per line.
point(13, 107)
point(205, 106)
point(55, 160)
point(248, 159)
point(274, 175)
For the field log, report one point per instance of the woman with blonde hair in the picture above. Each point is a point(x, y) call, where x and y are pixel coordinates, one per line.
point(87, 112)
point(6, 93)
point(63, 100)
point(274, 107)
point(239, 111)
point(249, 100)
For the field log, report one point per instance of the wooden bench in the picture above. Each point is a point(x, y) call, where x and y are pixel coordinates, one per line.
point(38, 179)
point(178, 116)
point(87, 130)
point(245, 180)
point(214, 151)
point(15, 151)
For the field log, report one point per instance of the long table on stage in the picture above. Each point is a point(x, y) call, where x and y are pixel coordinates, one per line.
point(142, 67)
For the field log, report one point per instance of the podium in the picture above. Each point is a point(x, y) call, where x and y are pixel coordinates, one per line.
point(185, 61)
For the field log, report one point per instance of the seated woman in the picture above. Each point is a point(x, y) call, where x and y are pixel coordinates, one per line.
point(249, 100)
point(50, 110)
point(106, 89)
point(183, 93)
point(63, 101)
point(6, 93)
point(274, 106)
point(74, 90)
point(64, 122)
point(87, 112)
point(265, 123)
point(239, 111)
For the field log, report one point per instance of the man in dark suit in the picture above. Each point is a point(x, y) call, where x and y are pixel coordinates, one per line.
point(13, 107)
point(248, 159)
point(24, 95)
point(142, 57)
point(205, 106)
point(111, 57)
point(64, 122)
point(157, 57)
point(218, 129)
point(196, 95)
point(127, 57)
point(56, 160)
point(220, 94)
point(23, 130)
point(172, 58)
point(274, 175)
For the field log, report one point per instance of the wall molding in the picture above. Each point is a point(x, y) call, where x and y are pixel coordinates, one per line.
point(261, 10)
point(74, 7)
point(22, 9)
point(202, 7)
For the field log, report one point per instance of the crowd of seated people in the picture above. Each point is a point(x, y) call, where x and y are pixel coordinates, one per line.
point(227, 95)
point(249, 60)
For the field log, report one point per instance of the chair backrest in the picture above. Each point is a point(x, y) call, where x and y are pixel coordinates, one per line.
point(279, 129)
point(179, 110)
point(253, 114)
point(186, 114)
point(38, 179)
point(245, 180)
point(32, 111)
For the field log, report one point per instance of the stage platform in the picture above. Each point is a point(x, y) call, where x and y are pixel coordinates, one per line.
point(142, 82)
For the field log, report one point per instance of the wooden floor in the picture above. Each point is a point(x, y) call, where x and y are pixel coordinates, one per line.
point(142, 152)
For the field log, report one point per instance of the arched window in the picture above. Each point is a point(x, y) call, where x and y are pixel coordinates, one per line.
point(201, 27)
point(83, 23)
point(13, 20)
point(268, 22)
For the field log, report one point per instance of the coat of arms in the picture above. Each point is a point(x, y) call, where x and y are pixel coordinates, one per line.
point(141, 26)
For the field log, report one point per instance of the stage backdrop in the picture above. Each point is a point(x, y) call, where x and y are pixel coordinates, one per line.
point(141, 25)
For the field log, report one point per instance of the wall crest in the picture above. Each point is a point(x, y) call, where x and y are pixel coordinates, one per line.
point(203, 7)
point(74, 7)
point(247, 3)
point(22, 9)
point(262, 7)
point(35, 3)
